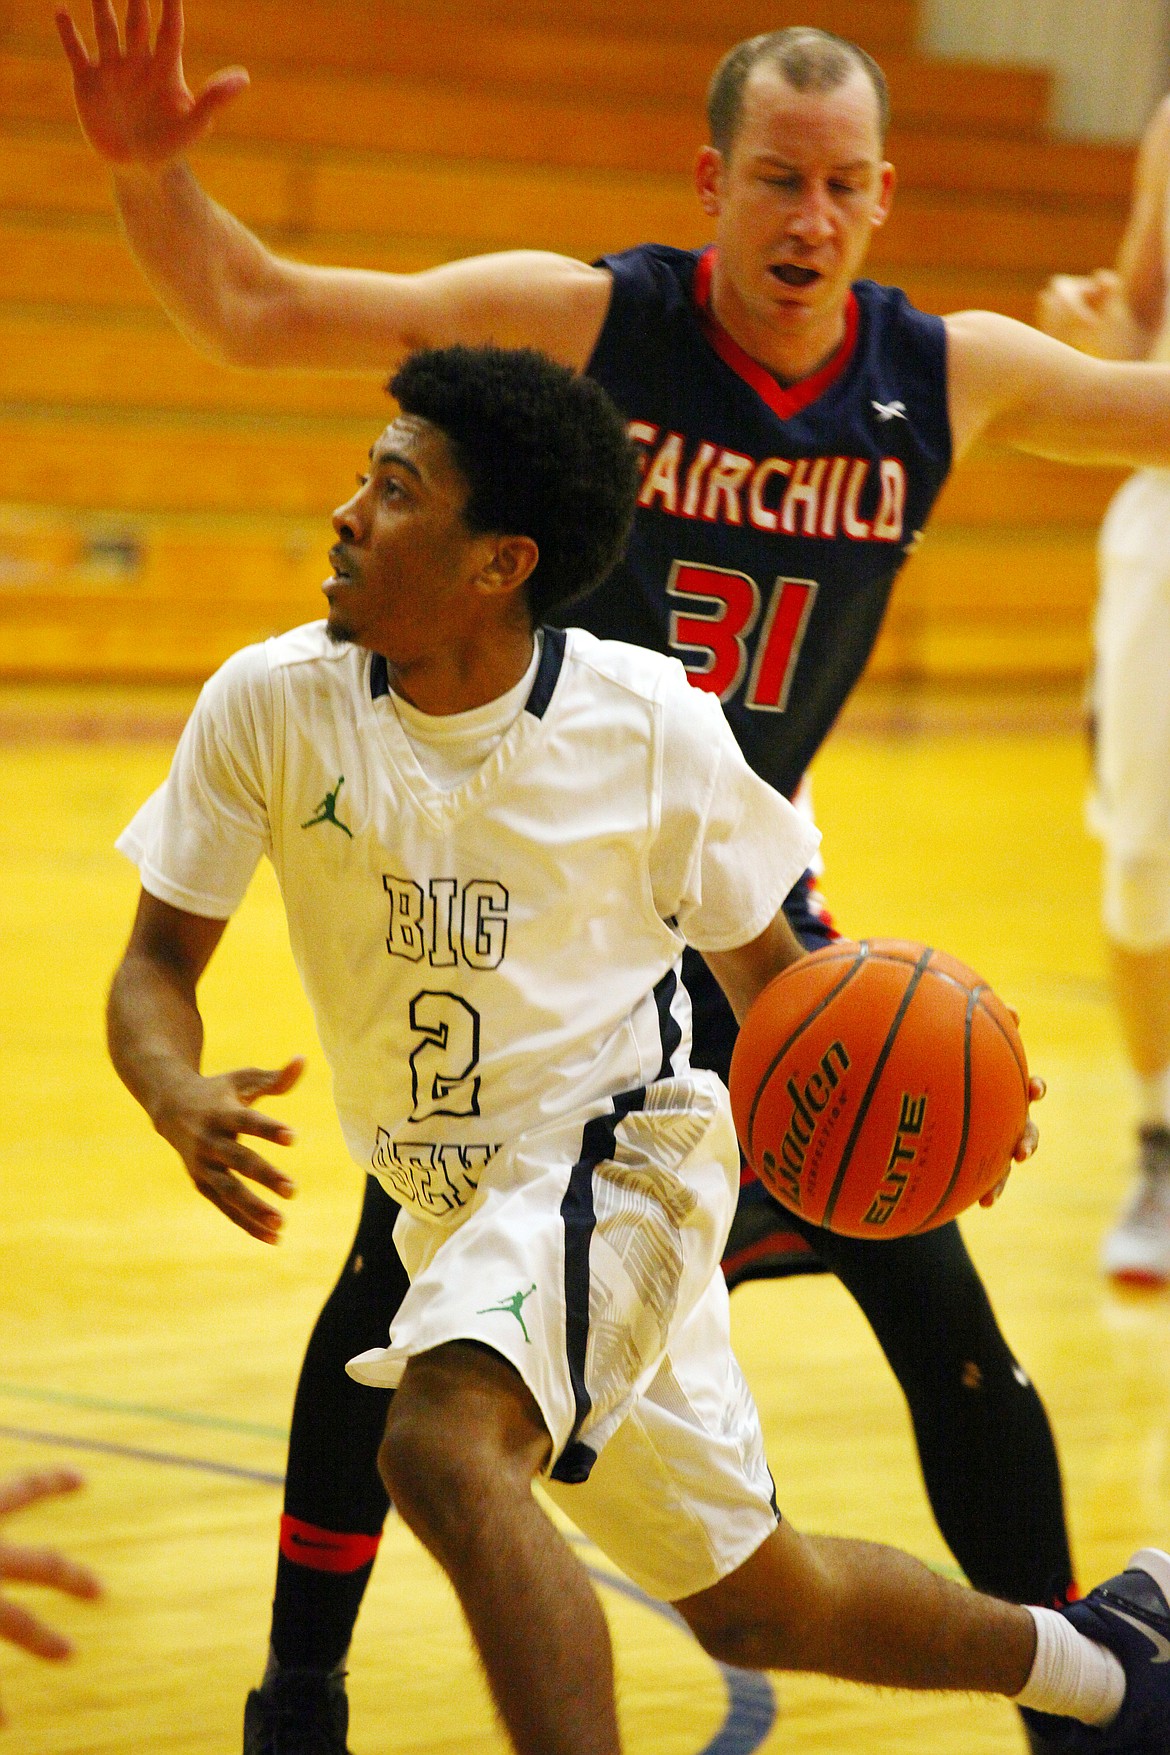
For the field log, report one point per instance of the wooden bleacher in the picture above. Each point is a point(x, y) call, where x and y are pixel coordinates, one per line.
point(156, 510)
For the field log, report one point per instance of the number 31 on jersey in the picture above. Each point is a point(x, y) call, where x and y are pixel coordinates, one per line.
point(723, 612)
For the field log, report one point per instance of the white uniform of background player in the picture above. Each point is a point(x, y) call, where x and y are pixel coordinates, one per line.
point(487, 912)
point(1123, 314)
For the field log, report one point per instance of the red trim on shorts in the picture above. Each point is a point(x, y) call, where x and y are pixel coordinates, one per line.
point(784, 401)
point(325, 1550)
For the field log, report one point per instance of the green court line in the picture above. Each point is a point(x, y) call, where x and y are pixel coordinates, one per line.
point(99, 1404)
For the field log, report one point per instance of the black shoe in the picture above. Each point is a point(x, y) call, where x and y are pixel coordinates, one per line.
point(1131, 1615)
point(297, 1712)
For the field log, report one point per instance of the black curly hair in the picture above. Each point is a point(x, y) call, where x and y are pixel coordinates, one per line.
point(544, 453)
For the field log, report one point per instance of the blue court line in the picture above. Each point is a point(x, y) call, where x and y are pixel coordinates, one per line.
point(751, 1701)
point(101, 1404)
point(168, 1458)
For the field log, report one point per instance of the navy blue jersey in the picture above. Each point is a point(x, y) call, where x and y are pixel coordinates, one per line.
point(771, 522)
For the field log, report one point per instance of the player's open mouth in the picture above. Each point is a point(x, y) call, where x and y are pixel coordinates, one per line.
point(792, 275)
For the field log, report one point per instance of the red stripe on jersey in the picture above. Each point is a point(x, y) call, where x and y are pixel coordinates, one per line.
point(782, 401)
point(325, 1550)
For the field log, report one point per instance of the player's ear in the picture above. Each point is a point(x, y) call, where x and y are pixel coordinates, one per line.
point(510, 565)
point(887, 183)
point(709, 180)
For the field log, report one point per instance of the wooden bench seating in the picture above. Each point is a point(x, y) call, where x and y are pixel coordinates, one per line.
point(399, 133)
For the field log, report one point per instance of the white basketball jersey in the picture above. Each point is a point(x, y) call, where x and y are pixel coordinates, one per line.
point(486, 959)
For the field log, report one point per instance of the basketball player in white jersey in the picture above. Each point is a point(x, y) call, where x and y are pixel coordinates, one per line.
point(1122, 313)
point(493, 841)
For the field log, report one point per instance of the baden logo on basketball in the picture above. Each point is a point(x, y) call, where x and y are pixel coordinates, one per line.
point(809, 1105)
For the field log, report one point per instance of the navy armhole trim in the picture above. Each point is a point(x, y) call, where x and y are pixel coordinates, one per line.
point(552, 656)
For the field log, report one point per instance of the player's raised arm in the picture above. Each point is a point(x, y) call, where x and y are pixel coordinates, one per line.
point(1012, 386)
point(1117, 313)
point(155, 1036)
point(237, 300)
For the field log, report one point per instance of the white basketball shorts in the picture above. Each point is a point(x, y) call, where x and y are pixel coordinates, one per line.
point(589, 1259)
point(1130, 804)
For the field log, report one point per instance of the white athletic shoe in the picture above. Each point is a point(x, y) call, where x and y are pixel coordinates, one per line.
point(1137, 1250)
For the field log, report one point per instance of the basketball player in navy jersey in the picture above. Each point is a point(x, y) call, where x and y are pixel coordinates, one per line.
point(796, 425)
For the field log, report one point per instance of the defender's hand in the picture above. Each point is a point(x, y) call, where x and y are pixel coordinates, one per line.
point(1025, 1145)
point(203, 1119)
point(39, 1566)
point(133, 102)
point(1073, 307)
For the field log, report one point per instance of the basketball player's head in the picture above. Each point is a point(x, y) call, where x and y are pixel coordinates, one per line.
point(504, 487)
point(795, 174)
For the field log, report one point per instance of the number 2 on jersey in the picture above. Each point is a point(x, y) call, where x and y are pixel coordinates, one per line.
point(443, 1065)
point(725, 611)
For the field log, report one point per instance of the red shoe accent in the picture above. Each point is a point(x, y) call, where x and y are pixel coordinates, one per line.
point(325, 1550)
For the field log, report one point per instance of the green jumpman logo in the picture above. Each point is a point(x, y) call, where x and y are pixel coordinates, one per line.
point(327, 811)
point(513, 1307)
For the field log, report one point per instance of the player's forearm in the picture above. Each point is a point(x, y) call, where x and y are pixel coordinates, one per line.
point(218, 282)
point(1119, 417)
point(154, 1032)
point(743, 973)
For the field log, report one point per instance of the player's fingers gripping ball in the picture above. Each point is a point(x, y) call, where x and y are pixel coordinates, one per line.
point(879, 1088)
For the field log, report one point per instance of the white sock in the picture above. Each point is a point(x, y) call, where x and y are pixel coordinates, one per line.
point(1154, 1098)
point(1072, 1675)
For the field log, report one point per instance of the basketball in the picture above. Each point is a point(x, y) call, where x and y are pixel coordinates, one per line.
point(879, 1088)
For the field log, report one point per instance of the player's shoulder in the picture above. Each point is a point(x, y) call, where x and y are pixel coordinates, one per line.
point(618, 665)
point(302, 657)
point(619, 677)
point(652, 276)
point(889, 317)
point(902, 367)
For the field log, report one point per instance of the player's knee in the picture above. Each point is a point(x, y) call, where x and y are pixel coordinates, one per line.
point(462, 1431)
point(433, 1481)
point(1136, 902)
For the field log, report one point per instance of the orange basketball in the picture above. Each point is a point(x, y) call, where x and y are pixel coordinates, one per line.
point(879, 1088)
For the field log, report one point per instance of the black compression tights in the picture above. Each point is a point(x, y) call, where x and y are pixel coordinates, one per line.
point(333, 1487)
point(984, 1442)
point(983, 1437)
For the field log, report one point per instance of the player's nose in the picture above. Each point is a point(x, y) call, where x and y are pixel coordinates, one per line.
point(346, 520)
point(812, 219)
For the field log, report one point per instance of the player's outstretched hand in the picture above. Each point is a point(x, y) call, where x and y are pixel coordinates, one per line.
point(133, 101)
point(203, 1119)
point(1028, 1140)
point(39, 1566)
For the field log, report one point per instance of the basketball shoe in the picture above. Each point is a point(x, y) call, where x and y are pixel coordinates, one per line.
point(1131, 1615)
point(1137, 1250)
point(297, 1712)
